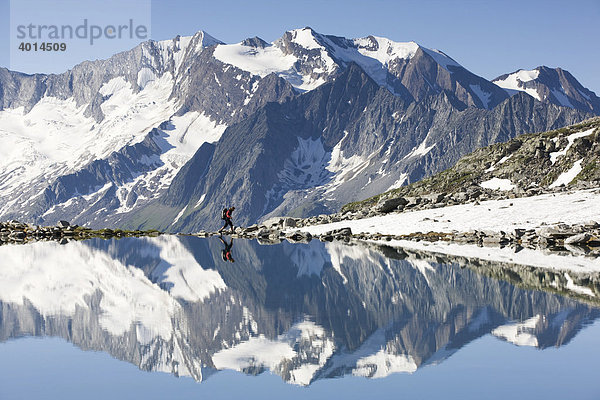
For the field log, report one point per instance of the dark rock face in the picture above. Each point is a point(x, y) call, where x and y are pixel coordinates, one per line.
point(235, 177)
point(255, 42)
point(250, 179)
point(423, 77)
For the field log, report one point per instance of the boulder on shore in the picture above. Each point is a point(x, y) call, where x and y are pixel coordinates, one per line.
point(389, 205)
point(273, 222)
point(580, 238)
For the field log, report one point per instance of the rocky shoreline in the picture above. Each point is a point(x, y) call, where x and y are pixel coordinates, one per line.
point(583, 239)
point(18, 232)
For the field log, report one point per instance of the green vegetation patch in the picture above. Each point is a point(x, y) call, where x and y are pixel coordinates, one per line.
point(590, 172)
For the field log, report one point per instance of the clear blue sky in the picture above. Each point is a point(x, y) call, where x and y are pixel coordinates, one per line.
point(487, 37)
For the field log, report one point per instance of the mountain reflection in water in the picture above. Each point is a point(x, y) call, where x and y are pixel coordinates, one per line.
point(303, 311)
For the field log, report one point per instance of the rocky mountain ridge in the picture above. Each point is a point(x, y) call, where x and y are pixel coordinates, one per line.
point(553, 85)
point(134, 130)
point(345, 139)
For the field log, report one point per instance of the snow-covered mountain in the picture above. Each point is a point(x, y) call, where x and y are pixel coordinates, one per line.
point(301, 125)
point(550, 85)
point(308, 59)
point(345, 140)
point(110, 135)
point(305, 311)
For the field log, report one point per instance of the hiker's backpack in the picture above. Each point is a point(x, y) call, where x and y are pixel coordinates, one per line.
point(224, 214)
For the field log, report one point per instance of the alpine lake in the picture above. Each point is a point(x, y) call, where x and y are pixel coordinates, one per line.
point(178, 317)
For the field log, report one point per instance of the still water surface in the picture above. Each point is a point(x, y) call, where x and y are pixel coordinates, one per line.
point(185, 317)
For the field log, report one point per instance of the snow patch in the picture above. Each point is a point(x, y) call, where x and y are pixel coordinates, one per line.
point(571, 139)
point(200, 200)
point(305, 38)
point(343, 168)
point(526, 76)
point(441, 58)
point(309, 259)
point(520, 333)
point(382, 364)
point(562, 98)
point(566, 177)
point(186, 278)
point(502, 161)
point(265, 61)
point(257, 61)
point(399, 182)
point(516, 81)
point(423, 266)
point(385, 50)
point(256, 352)
point(306, 165)
point(145, 76)
point(420, 150)
point(498, 184)
point(179, 215)
point(578, 289)
point(274, 354)
point(483, 96)
point(339, 252)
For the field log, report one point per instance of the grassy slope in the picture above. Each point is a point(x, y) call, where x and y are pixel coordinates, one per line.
point(529, 164)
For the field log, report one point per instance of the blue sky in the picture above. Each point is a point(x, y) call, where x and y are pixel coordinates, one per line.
point(487, 37)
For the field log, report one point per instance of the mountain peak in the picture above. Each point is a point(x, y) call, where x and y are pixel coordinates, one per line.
point(255, 42)
point(384, 49)
point(306, 37)
point(207, 39)
point(551, 85)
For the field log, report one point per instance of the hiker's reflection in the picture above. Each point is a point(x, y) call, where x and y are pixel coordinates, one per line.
point(226, 252)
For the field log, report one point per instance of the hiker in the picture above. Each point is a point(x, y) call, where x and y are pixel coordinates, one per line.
point(226, 215)
point(226, 252)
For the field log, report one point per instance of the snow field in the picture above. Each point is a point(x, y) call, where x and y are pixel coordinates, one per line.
point(494, 215)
